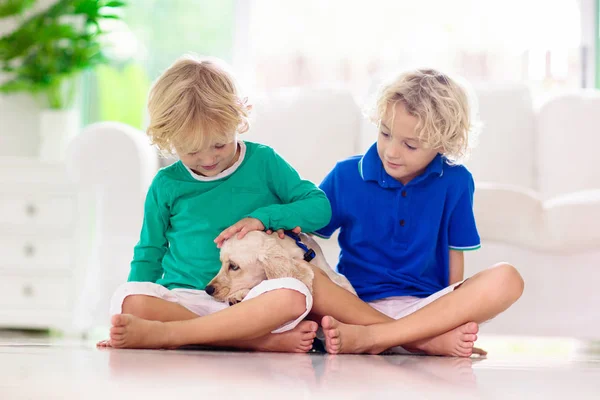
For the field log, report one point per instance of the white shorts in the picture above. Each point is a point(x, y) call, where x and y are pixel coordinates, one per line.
point(199, 302)
point(401, 306)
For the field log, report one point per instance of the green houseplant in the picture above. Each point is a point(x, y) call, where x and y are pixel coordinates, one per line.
point(49, 49)
point(45, 55)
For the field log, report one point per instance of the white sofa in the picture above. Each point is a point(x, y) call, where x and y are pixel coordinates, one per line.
point(537, 205)
point(537, 199)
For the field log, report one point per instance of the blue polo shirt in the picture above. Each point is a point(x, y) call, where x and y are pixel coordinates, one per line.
point(394, 238)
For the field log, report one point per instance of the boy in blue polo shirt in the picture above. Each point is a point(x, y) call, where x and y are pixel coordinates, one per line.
point(405, 214)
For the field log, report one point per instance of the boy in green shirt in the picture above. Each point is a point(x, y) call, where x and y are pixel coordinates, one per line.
point(221, 186)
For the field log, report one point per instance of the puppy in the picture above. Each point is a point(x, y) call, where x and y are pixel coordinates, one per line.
point(258, 256)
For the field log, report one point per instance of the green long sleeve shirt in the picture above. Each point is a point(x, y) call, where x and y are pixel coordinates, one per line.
point(183, 215)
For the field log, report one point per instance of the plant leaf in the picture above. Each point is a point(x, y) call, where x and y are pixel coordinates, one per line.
point(14, 7)
point(52, 46)
point(115, 4)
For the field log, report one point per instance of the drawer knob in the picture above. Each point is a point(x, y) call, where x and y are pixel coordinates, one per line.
point(28, 291)
point(29, 250)
point(31, 210)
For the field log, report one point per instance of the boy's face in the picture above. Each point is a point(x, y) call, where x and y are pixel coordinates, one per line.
point(402, 154)
point(213, 160)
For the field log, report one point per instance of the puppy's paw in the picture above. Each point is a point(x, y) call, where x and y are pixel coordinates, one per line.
point(237, 297)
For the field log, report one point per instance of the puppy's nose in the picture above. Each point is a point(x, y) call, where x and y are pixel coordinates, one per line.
point(210, 290)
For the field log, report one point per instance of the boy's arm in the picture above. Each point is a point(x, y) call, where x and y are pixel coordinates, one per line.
point(462, 235)
point(330, 187)
point(304, 205)
point(457, 266)
point(150, 250)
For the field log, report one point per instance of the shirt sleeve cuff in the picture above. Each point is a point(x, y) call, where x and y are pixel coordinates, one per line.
point(465, 248)
point(262, 217)
point(322, 236)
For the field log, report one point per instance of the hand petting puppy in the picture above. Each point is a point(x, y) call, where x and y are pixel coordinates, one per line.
point(280, 233)
point(242, 227)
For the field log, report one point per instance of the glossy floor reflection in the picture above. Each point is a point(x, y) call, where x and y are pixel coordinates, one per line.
point(528, 368)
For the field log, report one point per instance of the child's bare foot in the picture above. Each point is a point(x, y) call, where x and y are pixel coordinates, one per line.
point(298, 340)
point(348, 339)
point(103, 343)
point(131, 332)
point(458, 342)
point(343, 338)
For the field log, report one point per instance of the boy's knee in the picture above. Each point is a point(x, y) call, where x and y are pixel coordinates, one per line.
point(508, 280)
point(292, 301)
point(319, 271)
point(136, 305)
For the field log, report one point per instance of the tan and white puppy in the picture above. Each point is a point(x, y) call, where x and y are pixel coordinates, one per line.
point(258, 256)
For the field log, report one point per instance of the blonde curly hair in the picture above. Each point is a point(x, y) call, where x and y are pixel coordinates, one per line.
point(195, 103)
point(446, 114)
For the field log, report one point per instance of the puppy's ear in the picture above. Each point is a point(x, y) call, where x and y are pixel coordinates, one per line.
point(304, 273)
point(278, 264)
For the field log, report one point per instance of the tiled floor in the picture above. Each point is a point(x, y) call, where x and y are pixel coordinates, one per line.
point(43, 368)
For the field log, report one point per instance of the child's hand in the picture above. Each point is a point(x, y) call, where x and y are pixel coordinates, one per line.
point(280, 233)
point(241, 228)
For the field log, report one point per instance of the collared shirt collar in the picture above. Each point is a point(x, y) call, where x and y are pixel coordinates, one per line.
point(224, 173)
point(371, 168)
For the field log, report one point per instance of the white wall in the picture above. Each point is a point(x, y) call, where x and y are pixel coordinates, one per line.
point(19, 114)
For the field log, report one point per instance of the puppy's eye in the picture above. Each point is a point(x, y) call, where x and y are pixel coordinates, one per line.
point(233, 267)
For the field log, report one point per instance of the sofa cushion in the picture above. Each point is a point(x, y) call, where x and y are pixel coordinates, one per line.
point(508, 214)
point(568, 139)
point(571, 222)
point(505, 149)
point(517, 216)
point(311, 129)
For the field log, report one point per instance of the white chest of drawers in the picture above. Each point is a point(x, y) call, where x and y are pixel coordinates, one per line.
point(42, 242)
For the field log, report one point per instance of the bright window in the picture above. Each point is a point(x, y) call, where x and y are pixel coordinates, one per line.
point(280, 43)
point(314, 42)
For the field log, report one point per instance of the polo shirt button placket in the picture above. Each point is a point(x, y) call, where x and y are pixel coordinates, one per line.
point(402, 221)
